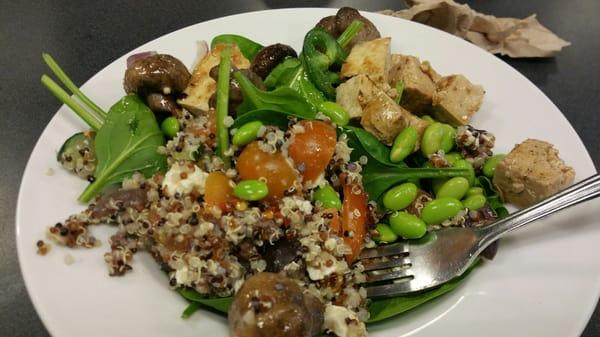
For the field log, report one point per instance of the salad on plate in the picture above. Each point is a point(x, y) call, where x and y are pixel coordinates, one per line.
point(256, 178)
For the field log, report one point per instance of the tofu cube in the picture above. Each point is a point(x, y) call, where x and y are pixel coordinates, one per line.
point(456, 99)
point(354, 93)
point(531, 172)
point(202, 86)
point(419, 82)
point(385, 119)
point(371, 58)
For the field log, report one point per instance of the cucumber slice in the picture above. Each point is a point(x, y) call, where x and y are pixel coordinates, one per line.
point(78, 156)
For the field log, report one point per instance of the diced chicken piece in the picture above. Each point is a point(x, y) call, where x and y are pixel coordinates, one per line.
point(456, 99)
point(354, 93)
point(419, 82)
point(201, 86)
point(371, 58)
point(531, 172)
point(385, 119)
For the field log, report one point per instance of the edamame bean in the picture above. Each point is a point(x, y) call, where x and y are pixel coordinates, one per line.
point(489, 167)
point(448, 139)
point(246, 133)
point(440, 209)
point(407, 225)
point(475, 202)
point(464, 164)
point(404, 144)
point(328, 197)
point(452, 157)
point(251, 190)
point(170, 126)
point(385, 234)
point(399, 197)
point(428, 119)
point(475, 191)
point(437, 136)
point(335, 112)
point(455, 187)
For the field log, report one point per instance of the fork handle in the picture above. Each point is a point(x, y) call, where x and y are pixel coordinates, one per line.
point(580, 192)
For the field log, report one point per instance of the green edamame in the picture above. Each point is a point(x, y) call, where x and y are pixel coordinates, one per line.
point(170, 126)
point(464, 164)
point(335, 112)
point(455, 187)
point(440, 209)
point(475, 202)
point(386, 234)
point(251, 190)
point(437, 183)
point(404, 144)
point(489, 167)
point(452, 157)
point(428, 118)
point(475, 191)
point(328, 197)
point(399, 197)
point(246, 133)
point(407, 225)
point(437, 136)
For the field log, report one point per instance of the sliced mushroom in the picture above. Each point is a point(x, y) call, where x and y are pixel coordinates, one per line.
point(269, 57)
point(158, 73)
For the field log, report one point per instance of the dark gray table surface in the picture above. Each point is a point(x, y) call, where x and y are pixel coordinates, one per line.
point(87, 35)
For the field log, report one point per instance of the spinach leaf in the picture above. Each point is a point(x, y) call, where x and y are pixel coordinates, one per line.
point(378, 178)
point(280, 99)
point(190, 310)
point(274, 117)
point(248, 47)
point(291, 73)
point(380, 309)
point(492, 196)
point(365, 143)
point(126, 143)
point(220, 304)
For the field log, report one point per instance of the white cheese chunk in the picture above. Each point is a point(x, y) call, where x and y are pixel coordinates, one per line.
point(343, 322)
point(184, 179)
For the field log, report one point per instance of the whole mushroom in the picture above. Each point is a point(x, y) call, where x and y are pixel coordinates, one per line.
point(159, 73)
point(270, 56)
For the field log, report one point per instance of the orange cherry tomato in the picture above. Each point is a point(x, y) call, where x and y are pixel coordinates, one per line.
point(354, 218)
point(313, 148)
point(334, 223)
point(253, 163)
point(217, 191)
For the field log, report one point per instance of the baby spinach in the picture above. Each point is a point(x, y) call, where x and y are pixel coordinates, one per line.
point(280, 99)
point(222, 106)
point(380, 309)
point(378, 178)
point(220, 304)
point(126, 143)
point(248, 47)
point(492, 196)
point(365, 143)
point(291, 73)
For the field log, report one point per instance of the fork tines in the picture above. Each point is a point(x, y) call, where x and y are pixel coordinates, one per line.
point(385, 267)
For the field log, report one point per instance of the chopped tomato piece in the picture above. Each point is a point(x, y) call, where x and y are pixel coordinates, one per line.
point(354, 217)
point(312, 149)
point(253, 163)
point(218, 191)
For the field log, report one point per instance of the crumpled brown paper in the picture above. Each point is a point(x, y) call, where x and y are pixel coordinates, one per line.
point(506, 36)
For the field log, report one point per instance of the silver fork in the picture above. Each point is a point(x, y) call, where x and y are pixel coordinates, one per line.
point(412, 266)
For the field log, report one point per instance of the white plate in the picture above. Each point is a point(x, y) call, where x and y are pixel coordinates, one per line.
point(545, 280)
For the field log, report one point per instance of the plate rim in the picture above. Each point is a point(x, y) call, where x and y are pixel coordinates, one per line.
point(44, 318)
